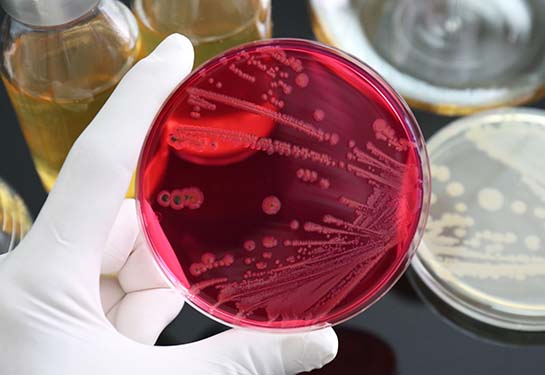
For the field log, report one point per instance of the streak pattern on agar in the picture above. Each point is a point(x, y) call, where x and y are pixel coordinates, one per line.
point(338, 251)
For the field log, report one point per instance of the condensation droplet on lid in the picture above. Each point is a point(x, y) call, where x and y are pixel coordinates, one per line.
point(261, 265)
point(267, 255)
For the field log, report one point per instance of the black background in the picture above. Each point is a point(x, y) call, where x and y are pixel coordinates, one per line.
point(401, 334)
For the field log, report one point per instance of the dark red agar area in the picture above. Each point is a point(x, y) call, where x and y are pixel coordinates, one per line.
point(282, 186)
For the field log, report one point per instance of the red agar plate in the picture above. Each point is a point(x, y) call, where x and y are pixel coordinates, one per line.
point(283, 185)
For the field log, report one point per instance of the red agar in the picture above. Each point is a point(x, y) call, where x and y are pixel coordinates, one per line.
point(282, 186)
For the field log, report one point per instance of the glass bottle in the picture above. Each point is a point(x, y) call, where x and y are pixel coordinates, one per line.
point(14, 218)
point(212, 26)
point(450, 56)
point(61, 59)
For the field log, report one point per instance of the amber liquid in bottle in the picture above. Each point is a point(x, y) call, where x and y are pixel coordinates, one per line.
point(58, 79)
point(212, 26)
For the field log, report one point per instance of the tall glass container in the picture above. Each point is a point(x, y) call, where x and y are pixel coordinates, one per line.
point(61, 60)
point(212, 26)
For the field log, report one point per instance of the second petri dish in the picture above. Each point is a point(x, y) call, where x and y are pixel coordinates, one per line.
point(484, 246)
point(449, 56)
point(283, 185)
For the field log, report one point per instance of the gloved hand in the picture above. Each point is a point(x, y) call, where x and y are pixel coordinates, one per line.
point(52, 317)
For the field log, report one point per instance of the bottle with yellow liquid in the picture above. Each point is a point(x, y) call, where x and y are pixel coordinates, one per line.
point(14, 218)
point(61, 59)
point(213, 26)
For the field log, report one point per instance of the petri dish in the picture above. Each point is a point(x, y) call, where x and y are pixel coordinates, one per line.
point(15, 220)
point(283, 185)
point(483, 251)
point(451, 57)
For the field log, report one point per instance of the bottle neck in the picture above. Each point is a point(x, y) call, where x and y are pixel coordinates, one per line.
point(47, 13)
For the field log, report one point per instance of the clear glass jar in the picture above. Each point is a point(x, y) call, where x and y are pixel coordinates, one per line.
point(212, 26)
point(58, 77)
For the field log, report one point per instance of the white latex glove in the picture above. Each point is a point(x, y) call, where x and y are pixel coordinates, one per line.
point(52, 317)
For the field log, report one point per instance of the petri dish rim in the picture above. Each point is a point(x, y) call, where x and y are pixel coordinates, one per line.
point(466, 303)
point(399, 107)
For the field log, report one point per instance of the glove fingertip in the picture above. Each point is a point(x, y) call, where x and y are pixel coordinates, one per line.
point(321, 348)
point(175, 48)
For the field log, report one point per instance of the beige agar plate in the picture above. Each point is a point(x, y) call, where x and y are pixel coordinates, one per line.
point(484, 245)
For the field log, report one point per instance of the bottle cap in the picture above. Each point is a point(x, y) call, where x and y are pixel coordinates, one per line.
point(47, 12)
